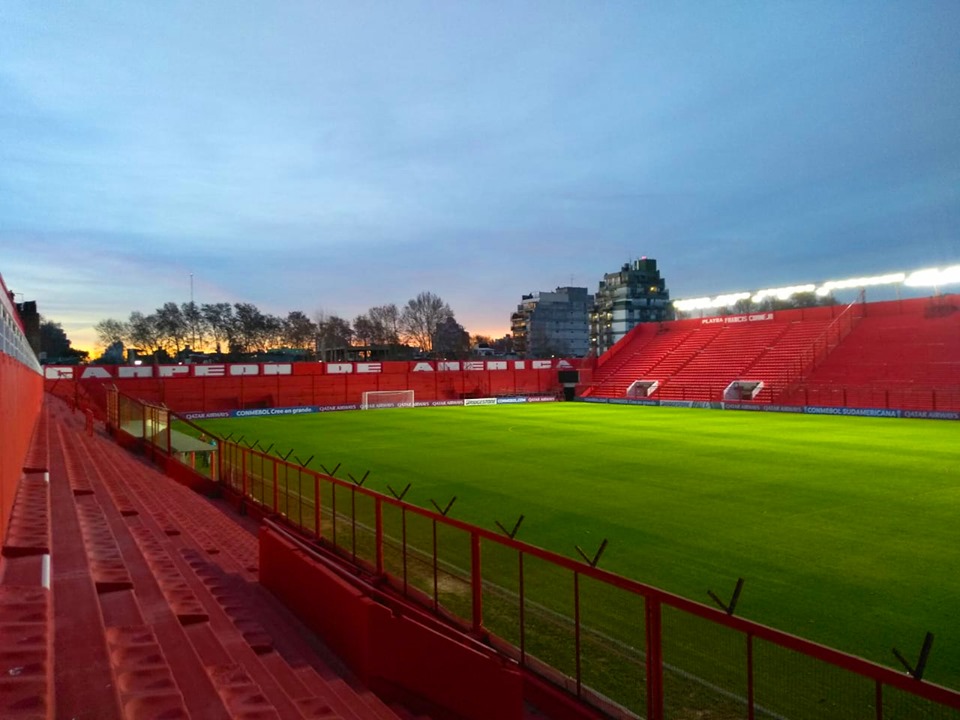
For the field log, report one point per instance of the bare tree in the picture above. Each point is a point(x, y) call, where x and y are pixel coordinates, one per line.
point(221, 322)
point(299, 331)
point(385, 320)
point(334, 332)
point(143, 332)
point(110, 332)
point(274, 332)
point(420, 318)
point(254, 329)
point(196, 324)
point(171, 326)
point(364, 330)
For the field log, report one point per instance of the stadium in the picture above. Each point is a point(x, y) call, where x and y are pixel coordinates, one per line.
point(724, 516)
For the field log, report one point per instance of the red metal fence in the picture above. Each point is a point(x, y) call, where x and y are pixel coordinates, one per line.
point(627, 648)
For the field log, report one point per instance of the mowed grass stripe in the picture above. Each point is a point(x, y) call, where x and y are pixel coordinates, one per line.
point(845, 529)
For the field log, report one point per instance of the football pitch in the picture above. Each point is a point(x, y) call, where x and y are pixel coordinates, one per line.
point(845, 529)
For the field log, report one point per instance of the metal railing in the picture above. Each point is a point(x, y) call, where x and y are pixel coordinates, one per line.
point(814, 354)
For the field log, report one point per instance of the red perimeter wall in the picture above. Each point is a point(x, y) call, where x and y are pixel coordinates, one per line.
point(213, 388)
point(21, 394)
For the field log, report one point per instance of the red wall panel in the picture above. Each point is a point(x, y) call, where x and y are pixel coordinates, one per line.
point(21, 395)
point(389, 651)
point(244, 386)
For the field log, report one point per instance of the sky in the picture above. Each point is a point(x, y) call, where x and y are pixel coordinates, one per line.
point(339, 155)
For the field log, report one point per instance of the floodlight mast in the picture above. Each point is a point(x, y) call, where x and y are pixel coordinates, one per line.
point(193, 327)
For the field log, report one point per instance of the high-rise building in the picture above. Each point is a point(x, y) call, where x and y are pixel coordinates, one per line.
point(553, 323)
point(634, 294)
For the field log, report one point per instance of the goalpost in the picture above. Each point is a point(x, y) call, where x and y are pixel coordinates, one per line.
point(378, 399)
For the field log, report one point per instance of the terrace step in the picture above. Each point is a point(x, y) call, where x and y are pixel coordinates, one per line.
point(181, 598)
point(26, 667)
point(77, 472)
point(242, 697)
point(28, 528)
point(107, 567)
point(38, 453)
point(79, 648)
point(144, 680)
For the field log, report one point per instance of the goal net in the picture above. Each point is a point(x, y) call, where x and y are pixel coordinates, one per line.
point(378, 399)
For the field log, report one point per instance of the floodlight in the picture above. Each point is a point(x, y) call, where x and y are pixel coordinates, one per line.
point(728, 300)
point(692, 304)
point(930, 277)
point(888, 279)
point(933, 277)
point(783, 293)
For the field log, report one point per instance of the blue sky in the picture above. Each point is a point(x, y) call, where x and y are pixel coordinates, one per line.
point(342, 155)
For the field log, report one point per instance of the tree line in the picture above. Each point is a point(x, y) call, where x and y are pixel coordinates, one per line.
point(425, 323)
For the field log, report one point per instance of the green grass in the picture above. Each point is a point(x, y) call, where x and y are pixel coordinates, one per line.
point(845, 529)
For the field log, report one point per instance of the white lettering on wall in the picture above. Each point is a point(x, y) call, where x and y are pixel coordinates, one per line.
point(135, 371)
point(167, 371)
point(95, 372)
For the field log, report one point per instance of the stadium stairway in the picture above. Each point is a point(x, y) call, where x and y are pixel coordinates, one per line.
point(125, 595)
point(723, 359)
point(656, 359)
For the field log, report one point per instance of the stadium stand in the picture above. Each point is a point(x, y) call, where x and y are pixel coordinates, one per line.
point(153, 607)
point(902, 354)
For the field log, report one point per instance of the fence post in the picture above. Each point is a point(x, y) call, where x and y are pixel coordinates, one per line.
point(276, 488)
point(378, 524)
point(243, 470)
point(476, 581)
point(654, 629)
point(576, 630)
point(317, 532)
point(522, 594)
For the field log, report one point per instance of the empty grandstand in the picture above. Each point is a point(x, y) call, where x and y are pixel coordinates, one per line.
point(899, 354)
